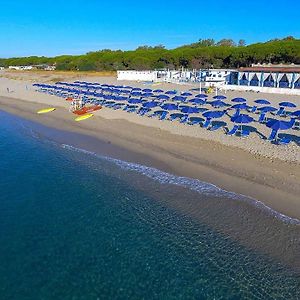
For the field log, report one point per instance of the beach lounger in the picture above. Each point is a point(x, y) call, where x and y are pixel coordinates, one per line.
point(245, 132)
point(195, 121)
point(216, 126)
point(262, 118)
point(207, 123)
point(284, 140)
point(234, 130)
point(273, 134)
point(280, 111)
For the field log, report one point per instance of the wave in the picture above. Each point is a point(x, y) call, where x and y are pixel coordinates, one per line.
point(196, 185)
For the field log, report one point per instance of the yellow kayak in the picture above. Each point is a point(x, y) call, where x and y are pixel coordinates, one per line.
point(45, 110)
point(84, 117)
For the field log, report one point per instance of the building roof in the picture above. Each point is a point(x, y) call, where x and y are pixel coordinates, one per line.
point(271, 69)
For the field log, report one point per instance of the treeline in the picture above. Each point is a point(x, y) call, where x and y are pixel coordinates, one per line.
point(203, 54)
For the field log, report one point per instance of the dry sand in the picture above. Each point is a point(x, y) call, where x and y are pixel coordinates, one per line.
point(252, 166)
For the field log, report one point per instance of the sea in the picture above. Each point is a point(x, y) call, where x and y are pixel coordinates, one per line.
point(75, 224)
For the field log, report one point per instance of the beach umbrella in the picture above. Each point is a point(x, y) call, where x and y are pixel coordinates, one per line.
point(296, 113)
point(171, 93)
point(158, 91)
point(136, 89)
point(179, 98)
point(218, 103)
point(151, 104)
point(190, 110)
point(197, 101)
point(240, 106)
point(239, 100)
point(169, 106)
point(147, 90)
point(186, 94)
point(163, 97)
point(219, 97)
point(201, 96)
point(262, 101)
point(287, 104)
point(242, 119)
point(145, 95)
point(136, 94)
point(134, 100)
point(277, 125)
point(121, 98)
point(267, 109)
point(214, 114)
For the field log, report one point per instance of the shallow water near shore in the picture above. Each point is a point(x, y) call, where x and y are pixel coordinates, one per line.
point(80, 226)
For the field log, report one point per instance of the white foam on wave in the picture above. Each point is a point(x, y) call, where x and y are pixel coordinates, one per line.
point(196, 185)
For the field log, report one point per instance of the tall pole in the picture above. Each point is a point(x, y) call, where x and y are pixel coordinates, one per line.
point(200, 81)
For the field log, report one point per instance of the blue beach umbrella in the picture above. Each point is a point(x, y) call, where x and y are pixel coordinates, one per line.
point(218, 103)
point(179, 98)
point(198, 101)
point(186, 94)
point(145, 95)
point(296, 113)
point(163, 97)
point(267, 109)
point(262, 101)
point(242, 119)
point(215, 114)
point(136, 94)
point(136, 89)
point(158, 91)
point(240, 106)
point(151, 104)
point(239, 100)
point(171, 93)
point(134, 100)
point(169, 106)
point(201, 96)
point(219, 97)
point(277, 125)
point(147, 90)
point(287, 104)
point(190, 110)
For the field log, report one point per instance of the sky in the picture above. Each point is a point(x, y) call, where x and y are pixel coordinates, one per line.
point(50, 28)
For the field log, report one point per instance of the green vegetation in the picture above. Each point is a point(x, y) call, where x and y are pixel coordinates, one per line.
point(203, 54)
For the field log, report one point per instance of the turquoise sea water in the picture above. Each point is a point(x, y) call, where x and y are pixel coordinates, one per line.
point(76, 226)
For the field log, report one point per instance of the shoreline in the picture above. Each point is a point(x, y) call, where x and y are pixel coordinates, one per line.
point(273, 182)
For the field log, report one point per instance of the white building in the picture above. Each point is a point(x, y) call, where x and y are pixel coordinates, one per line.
point(137, 75)
point(20, 68)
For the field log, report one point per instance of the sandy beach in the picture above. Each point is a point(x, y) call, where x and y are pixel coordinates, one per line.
point(252, 166)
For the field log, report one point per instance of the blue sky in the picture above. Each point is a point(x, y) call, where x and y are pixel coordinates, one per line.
point(75, 27)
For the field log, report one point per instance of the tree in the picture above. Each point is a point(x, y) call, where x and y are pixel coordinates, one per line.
point(226, 43)
point(242, 43)
point(206, 42)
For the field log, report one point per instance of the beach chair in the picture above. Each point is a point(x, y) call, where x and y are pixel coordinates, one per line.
point(272, 136)
point(174, 117)
point(284, 140)
point(184, 119)
point(195, 121)
point(216, 126)
point(163, 115)
point(207, 123)
point(234, 130)
point(262, 118)
point(280, 111)
point(245, 132)
point(253, 109)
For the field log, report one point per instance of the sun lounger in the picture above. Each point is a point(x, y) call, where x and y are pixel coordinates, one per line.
point(233, 130)
point(273, 135)
point(245, 132)
point(216, 126)
point(284, 140)
point(195, 121)
point(207, 123)
point(262, 118)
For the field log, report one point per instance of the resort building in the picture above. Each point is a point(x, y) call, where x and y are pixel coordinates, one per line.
point(271, 76)
point(210, 77)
